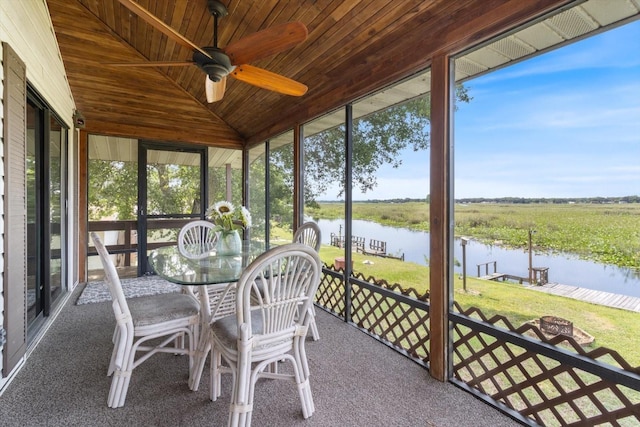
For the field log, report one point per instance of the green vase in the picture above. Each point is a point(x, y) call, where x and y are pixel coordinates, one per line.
point(229, 243)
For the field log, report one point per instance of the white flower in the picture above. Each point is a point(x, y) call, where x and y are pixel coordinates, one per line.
point(228, 217)
point(223, 208)
point(245, 217)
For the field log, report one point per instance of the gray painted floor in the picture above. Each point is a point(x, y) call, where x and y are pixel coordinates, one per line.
point(356, 381)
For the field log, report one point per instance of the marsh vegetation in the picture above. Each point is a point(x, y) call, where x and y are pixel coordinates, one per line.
point(605, 233)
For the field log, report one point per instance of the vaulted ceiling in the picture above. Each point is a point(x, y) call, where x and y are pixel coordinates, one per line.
point(352, 48)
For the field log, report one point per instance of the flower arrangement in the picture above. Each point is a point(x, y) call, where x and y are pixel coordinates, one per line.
point(228, 217)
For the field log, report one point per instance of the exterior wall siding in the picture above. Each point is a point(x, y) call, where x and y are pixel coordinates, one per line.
point(26, 26)
point(1, 207)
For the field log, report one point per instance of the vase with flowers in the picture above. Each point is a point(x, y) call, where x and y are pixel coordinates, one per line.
point(229, 220)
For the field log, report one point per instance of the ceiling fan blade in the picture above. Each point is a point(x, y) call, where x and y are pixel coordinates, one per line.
point(159, 25)
point(214, 90)
point(268, 80)
point(150, 64)
point(266, 42)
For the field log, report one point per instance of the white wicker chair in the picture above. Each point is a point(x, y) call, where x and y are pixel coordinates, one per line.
point(309, 234)
point(197, 238)
point(267, 327)
point(139, 320)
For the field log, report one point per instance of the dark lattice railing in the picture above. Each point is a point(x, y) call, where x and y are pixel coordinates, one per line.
point(395, 316)
point(331, 292)
point(552, 382)
point(537, 380)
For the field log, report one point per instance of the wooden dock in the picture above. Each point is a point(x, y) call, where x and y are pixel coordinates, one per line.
point(608, 299)
point(376, 247)
point(589, 295)
point(497, 277)
point(504, 277)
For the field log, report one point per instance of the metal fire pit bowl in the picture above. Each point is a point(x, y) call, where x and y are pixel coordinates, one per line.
point(556, 326)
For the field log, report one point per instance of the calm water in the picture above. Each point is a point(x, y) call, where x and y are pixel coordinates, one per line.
point(563, 268)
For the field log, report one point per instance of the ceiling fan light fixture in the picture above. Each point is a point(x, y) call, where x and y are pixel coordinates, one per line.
point(216, 72)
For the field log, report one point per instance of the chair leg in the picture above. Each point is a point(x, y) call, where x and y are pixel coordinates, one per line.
point(241, 404)
point(123, 360)
point(215, 376)
point(114, 353)
point(200, 356)
point(301, 368)
point(312, 325)
point(179, 342)
point(120, 381)
point(306, 398)
point(119, 387)
point(241, 409)
point(192, 346)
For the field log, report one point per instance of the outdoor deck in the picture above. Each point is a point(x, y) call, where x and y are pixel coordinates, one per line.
point(589, 295)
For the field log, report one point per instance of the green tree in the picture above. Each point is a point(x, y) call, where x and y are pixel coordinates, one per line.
point(281, 186)
point(377, 140)
point(113, 189)
point(172, 189)
point(257, 196)
point(218, 185)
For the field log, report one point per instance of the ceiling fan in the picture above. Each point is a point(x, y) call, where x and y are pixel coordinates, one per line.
point(218, 63)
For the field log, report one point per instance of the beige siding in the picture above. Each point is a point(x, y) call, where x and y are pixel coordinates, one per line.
point(26, 26)
point(1, 206)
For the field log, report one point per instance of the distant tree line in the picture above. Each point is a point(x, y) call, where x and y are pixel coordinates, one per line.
point(514, 200)
point(552, 200)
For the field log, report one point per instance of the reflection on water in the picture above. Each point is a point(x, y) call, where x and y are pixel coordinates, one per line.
point(563, 268)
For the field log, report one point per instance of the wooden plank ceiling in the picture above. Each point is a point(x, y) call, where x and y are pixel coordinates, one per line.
point(353, 47)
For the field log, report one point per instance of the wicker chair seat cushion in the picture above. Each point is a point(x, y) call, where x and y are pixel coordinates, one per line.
point(161, 308)
point(226, 329)
point(226, 333)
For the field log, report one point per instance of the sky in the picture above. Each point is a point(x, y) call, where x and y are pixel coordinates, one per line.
point(565, 124)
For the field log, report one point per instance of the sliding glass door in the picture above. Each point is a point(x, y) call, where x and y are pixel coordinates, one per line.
point(46, 147)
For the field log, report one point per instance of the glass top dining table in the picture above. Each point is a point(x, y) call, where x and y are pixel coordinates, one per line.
point(217, 272)
point(172, 264)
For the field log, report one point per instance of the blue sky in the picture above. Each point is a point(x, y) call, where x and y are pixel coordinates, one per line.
point(563, 124)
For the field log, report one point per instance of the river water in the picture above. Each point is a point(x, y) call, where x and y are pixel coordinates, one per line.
point(566, 269)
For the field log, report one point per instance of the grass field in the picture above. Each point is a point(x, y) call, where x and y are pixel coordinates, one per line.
point(605, 233)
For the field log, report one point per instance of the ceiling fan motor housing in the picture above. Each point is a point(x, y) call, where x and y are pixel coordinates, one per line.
point(216, 67)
